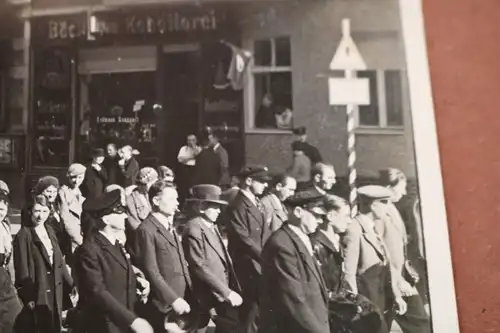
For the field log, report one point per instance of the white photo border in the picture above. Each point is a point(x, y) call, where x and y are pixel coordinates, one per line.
point(435, 228)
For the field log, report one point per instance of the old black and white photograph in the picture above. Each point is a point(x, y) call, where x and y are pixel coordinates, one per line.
point(227, 166)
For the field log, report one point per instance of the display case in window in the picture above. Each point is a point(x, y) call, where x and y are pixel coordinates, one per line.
point(52, 112)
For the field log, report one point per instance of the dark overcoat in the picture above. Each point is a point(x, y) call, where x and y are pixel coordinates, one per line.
point(247, 232)
point(208, 168)
point(39, 281)
point(95, 182)
point(293, 295)
point(107, 285)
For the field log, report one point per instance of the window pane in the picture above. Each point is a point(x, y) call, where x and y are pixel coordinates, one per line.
point(393, 94)
point(262, 49)
point(283, 51)
point(273, 100)
point(369, 114)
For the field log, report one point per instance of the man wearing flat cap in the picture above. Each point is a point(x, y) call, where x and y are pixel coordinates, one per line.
point(159, 254)
point(105, 276)
point(214, 280)
point(96, 177)
point(247, 232)
point(367, 262)
point(71, 199)
point(293, 292)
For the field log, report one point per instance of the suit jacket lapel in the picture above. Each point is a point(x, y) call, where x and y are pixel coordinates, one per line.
point(212, 240)
point(325, 241)
point(308, 259)
point(41, 247)
point(163, 231)
point(254, 211)
point(370, 236)
point(111, 249)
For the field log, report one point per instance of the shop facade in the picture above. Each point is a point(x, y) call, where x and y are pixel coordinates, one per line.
point(150, 75)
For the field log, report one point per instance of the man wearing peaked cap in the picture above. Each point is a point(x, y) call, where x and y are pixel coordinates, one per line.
point(105, 276)
point(247, 232)
point(367, 266)
point(214, 280)
point(288, 304)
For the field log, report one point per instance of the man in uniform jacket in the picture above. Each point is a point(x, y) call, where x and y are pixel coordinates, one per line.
point(283, 187)
point(105, 276)
point(96, 177)
point(293, 293)
point(160, 256)
point(247, 232)
point(214, 280)
point(367, 261)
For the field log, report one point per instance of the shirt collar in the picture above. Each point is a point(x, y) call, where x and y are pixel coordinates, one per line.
point(303, 237)
point(164, 221)
point(216, 146)
point(320, 190)
point(111, 238)
point(250, 196)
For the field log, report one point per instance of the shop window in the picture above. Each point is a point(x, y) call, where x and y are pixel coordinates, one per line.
point(386, 100)
point(52, 116)
point(270, 94)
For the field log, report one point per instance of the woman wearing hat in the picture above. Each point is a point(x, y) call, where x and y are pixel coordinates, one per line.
point(9, 303)
point(214, 280)
point(393, 231)
point(347, 312)
point(71, 199)
point(40, 271)
point(96, 176)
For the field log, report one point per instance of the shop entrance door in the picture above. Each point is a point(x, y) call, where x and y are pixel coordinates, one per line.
point(181, 97)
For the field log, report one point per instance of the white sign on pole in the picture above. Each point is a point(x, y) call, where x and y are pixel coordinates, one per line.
point(349, 91)
point(347, 56)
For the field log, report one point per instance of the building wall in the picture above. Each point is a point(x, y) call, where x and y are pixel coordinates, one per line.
point(314, 30)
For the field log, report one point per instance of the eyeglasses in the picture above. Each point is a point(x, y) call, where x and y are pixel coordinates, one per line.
point(118, 210)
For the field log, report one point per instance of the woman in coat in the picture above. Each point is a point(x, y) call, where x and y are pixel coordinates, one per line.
point(40, 271)
point(349, 313)
point(9, 303)
point(96, 177)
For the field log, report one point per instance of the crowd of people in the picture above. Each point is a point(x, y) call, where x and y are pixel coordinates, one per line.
point(112, 250)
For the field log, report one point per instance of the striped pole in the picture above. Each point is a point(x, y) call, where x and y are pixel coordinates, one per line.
point(351, 154)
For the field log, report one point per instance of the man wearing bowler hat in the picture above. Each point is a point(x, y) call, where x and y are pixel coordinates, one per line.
point(159, 254)
point(105, 276)
point(293, 292)
point(96, 176)
point(214, 280)
point(367, 267)
point(247, 232)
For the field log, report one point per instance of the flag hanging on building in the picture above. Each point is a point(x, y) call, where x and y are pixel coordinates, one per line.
point(239, 63)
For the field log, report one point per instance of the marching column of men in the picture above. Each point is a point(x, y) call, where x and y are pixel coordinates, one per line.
point(294, 260)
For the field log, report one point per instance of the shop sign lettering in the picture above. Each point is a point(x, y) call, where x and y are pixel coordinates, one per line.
point(170, 22)
point(119, 120)
point(62, 29)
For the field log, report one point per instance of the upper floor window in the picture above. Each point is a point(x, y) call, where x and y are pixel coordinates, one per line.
point(270, 92)
point(386, 100)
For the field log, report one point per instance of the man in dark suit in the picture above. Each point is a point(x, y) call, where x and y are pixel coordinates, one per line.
point(207, 169)
point(293, 293)
point(247, 233)
point(96, 176)
point(214, 280)
point(105, 277)
point(225, 178)
point(111, 164)
point(283, 187)
point(323, 177)
point(161, 257)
